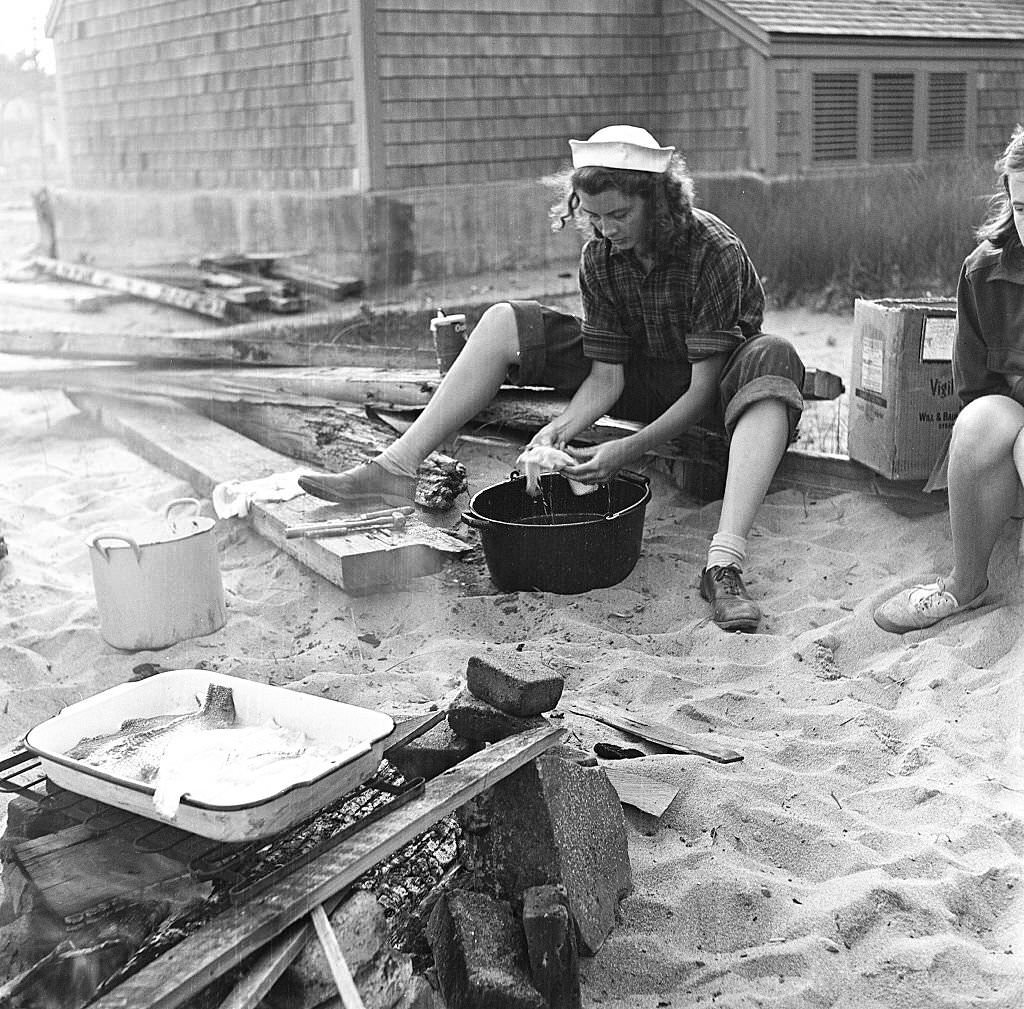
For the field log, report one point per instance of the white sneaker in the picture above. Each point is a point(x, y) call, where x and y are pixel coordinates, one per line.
point(922, 606)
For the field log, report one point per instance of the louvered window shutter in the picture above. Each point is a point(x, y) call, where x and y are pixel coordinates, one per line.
point(834, 103)
point(892, 117)
point(947, 112)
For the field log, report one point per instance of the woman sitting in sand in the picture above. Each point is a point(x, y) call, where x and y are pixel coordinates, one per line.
point(670, 336)
point(986, 453)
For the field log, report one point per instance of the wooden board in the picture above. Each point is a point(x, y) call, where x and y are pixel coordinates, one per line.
point(640, 791)
point(76, 869)
point(229, 938)
point(56, 297)
point(205, 454)
point(178, 297)
point(215, 346)
point(666, 736)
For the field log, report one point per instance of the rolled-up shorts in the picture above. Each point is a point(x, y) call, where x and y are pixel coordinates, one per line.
point(762, 367)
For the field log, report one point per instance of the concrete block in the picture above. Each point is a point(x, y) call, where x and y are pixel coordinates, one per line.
point(513, 682)
point(480, 954)
point(556, 822)
point(551, 946)
point(472, 718)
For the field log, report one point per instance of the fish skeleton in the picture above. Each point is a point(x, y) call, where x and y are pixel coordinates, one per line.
point(136, 749)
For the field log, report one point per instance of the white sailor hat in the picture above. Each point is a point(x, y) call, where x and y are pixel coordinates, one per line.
point(626, 147)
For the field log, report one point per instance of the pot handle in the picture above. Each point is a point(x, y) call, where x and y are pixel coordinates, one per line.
point(171, 505)
point(93, 544)
point(475, 521)
point(637, 478)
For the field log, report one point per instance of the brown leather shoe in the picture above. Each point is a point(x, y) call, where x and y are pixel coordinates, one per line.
point(368, 482)
point(731, 605)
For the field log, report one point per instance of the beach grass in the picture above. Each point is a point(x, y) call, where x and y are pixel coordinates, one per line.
point(826, 240)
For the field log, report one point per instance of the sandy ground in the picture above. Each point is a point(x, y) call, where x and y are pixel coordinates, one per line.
point(865, 853)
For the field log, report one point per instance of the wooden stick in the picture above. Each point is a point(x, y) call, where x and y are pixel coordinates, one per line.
point(273, 961)
point(664, 735)
point(397, 521)
point(347, 991)
point(187, 968)
point(388, 514)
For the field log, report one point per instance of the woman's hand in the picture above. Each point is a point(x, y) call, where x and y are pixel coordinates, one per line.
point(551, 434)
point(599, 463)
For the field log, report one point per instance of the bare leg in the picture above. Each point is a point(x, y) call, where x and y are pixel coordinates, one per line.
point(983, 487)
point(756, 448)
point(757, 445)
point(469, 386)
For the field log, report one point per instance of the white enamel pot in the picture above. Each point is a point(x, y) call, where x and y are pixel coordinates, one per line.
point(158, 586)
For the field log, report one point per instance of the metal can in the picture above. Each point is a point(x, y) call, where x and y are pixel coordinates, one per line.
point(449, 332)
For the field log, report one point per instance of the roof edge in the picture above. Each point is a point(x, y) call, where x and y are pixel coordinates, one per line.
point(723, 15)
point(53, 17)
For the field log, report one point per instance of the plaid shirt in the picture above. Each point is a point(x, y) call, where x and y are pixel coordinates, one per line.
point(704, 299)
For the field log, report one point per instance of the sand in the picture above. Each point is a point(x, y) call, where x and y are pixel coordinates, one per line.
point(865, 853)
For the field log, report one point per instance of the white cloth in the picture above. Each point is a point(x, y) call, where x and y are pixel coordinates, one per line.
point(234, 498)
point(537, 459)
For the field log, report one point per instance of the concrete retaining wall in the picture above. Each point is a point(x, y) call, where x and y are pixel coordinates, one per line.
point(398, 238)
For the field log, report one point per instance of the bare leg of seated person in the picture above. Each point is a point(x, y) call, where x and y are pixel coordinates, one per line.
point(470, 384)
point(756, 448)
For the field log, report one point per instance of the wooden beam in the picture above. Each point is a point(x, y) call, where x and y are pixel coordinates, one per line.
point(206, 454)
point(270, 346)
point(178, 297)
point(183, 971)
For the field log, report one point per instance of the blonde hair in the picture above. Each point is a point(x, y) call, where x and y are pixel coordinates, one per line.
point(999, 227)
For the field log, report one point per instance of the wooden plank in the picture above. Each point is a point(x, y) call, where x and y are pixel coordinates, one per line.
point(270, 346)
point(655, 732)
point(201, 302)
point(640, 791)
point(186, 969)
point(76, 869)
point(347, 991)
point(205, 454)
point(56, 297)
point(273, 961)
point(314, 282)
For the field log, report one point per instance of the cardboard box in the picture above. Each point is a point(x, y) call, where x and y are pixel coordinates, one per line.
point(902, 403)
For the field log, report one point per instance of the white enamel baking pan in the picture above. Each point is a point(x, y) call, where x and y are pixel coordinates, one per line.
point(323, 720)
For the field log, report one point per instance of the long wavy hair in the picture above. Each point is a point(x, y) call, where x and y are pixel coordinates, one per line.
point(999, 227)
point(668, 197)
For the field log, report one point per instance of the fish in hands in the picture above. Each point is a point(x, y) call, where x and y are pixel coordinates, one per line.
point(538, 459)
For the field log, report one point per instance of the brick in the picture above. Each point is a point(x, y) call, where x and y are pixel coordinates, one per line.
point(551, 946)
point(480, 954)
point(513, 682)
point(474, 719)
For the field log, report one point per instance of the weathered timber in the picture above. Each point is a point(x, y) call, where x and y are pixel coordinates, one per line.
point(205, 454)
point(294, 386)
point(229, 938)
point(203, 303)
point(640, 791)
point(307, 279)
point(263, 344)
point(667, 736)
